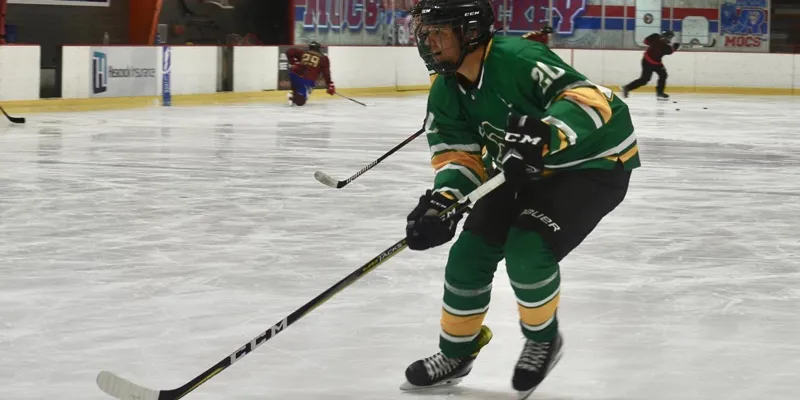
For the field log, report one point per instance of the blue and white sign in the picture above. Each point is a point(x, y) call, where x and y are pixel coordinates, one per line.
point(166, 75)
point(99, 72)
point(123, 71)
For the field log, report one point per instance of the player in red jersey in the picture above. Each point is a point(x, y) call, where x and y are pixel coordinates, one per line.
point(306, 66)
point(658, 46)
point(542, 36)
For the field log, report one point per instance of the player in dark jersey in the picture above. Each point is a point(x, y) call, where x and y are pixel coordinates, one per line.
point(306, 65)
point(658, 46)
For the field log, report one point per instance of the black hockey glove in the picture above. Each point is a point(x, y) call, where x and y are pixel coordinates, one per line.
point(424, 229)
point(676, 46)
point(522, 148)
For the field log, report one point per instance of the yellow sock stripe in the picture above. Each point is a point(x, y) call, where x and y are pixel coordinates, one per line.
point(458, 339)
point(534, 316)
point(457, 325)
point(537, 328)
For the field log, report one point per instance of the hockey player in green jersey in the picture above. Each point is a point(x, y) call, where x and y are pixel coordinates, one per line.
point(567, 148)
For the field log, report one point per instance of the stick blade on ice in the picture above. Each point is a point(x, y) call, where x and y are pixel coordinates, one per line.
point(124, 389)
point(326, 180)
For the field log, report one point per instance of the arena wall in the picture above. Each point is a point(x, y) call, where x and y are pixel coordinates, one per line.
point(196, 73)
point(19, 72)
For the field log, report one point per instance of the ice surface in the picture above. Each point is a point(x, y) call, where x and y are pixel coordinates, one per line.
point(155, 242)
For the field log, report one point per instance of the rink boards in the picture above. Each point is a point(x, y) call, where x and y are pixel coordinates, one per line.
point(100, 77)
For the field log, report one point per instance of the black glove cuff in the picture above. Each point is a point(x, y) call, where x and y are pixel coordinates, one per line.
point(440, 201)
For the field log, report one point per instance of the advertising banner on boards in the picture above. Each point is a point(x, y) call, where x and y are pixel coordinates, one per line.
point(123, 71)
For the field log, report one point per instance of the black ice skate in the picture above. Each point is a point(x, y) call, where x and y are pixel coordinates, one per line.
point(441, 370)
point(662, 96)
point(535, 362)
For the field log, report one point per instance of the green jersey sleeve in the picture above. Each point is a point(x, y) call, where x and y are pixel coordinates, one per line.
point(455, 146)
point(575, 108)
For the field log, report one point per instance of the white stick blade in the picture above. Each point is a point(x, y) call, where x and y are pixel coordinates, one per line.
point(324, 179)
point(123, 389)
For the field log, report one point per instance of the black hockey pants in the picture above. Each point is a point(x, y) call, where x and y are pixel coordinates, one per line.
point(647, 73)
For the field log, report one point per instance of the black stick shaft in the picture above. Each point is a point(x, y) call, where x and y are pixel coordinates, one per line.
point(223, 364)
point(353, 100)
point(383, 157)
point(328, 181)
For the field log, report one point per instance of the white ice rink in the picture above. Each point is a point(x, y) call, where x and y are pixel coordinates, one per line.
point(154, 242)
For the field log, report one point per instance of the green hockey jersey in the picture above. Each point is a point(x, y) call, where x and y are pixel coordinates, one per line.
point(590, 126)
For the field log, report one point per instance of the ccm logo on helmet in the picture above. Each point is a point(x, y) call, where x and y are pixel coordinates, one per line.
point(471, 13)
point(522, 139)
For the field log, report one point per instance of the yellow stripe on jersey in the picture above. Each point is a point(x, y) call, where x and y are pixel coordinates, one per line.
point(448, 196)
point(538, 315)
point(629, 154)
point(471, 161)
point(562, 141)
point(457, 325)
point(624, 157)
point(592, 98)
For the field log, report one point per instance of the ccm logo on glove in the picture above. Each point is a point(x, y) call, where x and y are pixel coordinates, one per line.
point(522, 139)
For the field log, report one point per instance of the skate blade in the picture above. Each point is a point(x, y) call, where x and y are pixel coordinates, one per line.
point(409, 387)
point(524, 395)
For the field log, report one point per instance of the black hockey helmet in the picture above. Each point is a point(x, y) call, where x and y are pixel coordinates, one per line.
point(472, 22)
point(315, 46)
point(667, 35)
point(547, 30)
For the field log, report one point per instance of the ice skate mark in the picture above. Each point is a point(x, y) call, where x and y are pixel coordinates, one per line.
point(720, 190)
point(294, 355)
point(460, 392)
point(113, 165)
point(731, 303)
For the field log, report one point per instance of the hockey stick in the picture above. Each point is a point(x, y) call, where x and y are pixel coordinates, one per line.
point(124, 389)
point(354, 101)
point(16, 120)
point(326, 180)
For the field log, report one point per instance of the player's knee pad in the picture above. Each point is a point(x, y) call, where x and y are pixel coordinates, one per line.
point(528, 255)
point(472, 262)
